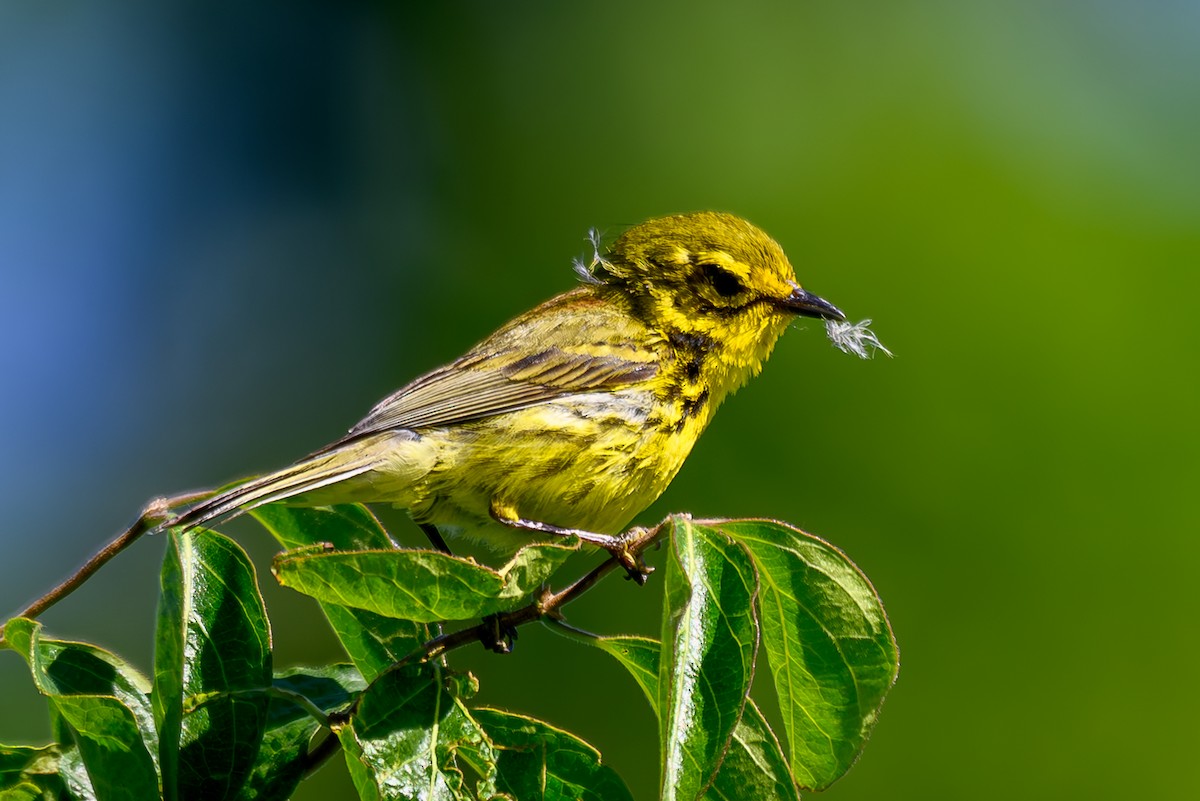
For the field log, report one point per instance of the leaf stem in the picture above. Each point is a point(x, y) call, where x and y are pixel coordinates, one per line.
point(196, 702)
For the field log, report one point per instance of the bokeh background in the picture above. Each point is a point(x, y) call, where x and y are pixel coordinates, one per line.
point(226, 230)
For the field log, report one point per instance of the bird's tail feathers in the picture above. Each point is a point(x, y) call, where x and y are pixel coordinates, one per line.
point(306, 476)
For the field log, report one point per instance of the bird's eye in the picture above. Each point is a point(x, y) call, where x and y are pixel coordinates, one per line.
point(726, 283)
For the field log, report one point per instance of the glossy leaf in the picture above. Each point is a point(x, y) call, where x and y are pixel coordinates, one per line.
point(754, 766)
point(640, 656)
point(74, 774)
point(710, 638)
point(291, 727)
point(829, 644)
point(213, 641)
point(424, 586)
point(538, 762)
point(29, 791)
point(373, 642)
point(347, 527)
point(103, 704)
point(401, 741)
point(31, 774)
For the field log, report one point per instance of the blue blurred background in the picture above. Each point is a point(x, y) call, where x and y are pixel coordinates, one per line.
point(227, 230)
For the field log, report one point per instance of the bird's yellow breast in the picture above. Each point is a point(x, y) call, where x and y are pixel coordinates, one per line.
point(589, 461)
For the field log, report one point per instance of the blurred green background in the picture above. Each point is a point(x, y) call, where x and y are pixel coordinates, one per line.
point(226, 231)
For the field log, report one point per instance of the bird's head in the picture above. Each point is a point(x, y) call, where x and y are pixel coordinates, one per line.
point(711, 276)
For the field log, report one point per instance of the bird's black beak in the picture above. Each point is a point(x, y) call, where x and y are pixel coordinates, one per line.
point(807, 304)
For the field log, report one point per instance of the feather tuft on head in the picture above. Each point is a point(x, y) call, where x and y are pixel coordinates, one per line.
point(593, 271)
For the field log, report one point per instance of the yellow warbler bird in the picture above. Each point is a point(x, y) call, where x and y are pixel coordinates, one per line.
point(575, 416)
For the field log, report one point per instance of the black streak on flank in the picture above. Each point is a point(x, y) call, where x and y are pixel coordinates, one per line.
point(580, 492)
point(556, 465)
point(689, 408)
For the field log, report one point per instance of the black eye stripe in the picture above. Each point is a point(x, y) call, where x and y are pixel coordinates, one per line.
point(726, 283)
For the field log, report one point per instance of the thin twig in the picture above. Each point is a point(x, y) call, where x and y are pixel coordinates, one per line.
point(549, 604)
point(155, 512)
point(316, 758)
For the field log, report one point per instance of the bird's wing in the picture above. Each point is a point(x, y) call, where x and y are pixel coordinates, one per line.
point(480, 386)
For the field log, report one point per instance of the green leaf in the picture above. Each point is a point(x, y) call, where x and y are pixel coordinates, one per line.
point(31, 774)
point(710, 638)
point(347, 527)
point(640, 656)
point(831, 649)
point(57, 770)
point(423, 586)
point(402, 739)
point(538, 762)
point(213, 642)
point(373, 642)
point(754, 766)
point(50, 773)
point(75, 774)
point(104, 705)
point(290, 726)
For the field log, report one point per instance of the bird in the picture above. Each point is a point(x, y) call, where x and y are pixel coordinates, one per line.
point(573, 417)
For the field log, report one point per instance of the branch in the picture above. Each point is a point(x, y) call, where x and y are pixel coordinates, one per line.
point(549, 604)
point(154, 514)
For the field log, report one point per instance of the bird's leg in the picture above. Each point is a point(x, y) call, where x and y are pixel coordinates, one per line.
point(618, 546)
point(496, 635)
point(435, 537)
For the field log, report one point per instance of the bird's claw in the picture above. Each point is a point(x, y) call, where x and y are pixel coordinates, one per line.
point(497, 635)
point(636, 569)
